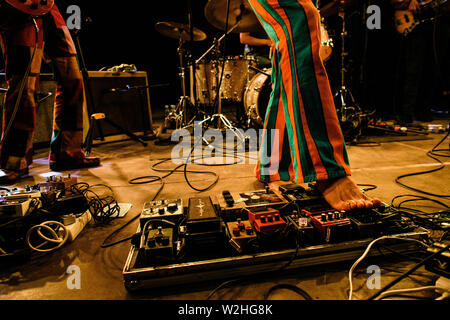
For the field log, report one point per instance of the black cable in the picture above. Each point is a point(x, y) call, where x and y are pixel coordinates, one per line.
point(104, 245)
point(297, 240)
point(429, 220)
point(291, 287)
point(185, 171)
point(417, 198)
point(430, 154)
point(410, 271)
point(224, 284)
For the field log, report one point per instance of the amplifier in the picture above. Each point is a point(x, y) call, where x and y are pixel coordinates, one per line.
point(44, 108)
point(124, 98)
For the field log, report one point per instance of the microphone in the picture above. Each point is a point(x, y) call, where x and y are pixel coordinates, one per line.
point(126, 88)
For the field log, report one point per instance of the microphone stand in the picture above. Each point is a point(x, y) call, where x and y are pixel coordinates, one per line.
point(94, 117)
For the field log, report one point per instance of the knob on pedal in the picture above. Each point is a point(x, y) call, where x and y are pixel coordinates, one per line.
point(240, 225)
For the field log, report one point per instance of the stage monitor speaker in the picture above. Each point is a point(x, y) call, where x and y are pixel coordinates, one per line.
point(124, 98)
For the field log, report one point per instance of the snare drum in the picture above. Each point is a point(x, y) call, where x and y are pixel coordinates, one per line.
point(257, 96)
point(236, 75)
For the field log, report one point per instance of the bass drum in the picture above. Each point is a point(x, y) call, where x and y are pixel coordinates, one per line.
point(257, 96)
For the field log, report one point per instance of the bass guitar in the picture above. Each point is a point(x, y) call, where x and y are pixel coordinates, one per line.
point(405, 20)
point(14, 13)
point(32, 7)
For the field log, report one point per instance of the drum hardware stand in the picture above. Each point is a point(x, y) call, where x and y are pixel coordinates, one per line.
point(344, 92)
point(184, 100)
point(87, 145)
point(260, 71)
point(148, 134)
point(350, 112)
point(180, 112)
point(219, 117)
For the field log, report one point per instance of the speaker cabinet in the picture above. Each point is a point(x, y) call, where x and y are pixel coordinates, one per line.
point(44, 109)
point(124, 98)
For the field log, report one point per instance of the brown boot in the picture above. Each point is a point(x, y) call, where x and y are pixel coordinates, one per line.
point(74, 163)
point(8, 177)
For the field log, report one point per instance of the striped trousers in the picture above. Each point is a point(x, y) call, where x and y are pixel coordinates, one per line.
point(302, 140)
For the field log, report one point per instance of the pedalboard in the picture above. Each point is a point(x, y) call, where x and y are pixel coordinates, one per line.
point(250, 232)
point(231, 204)
point(170, 210)
point(265, 220)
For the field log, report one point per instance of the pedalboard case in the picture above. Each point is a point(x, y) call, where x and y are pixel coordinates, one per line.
point(236, 234)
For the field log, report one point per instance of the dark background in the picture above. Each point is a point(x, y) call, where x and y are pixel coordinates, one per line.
point(124, 32)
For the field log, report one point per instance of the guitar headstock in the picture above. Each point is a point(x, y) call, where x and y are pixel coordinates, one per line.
point(32, 7)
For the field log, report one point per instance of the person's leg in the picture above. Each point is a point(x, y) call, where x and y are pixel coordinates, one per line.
point(316, 143)
point(275, 160)
point(18, 46)
point(65, 149)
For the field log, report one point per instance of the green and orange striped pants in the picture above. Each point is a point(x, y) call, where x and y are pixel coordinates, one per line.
point(308, 144)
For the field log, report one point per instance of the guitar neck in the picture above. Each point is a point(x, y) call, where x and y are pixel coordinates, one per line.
point(32, 7)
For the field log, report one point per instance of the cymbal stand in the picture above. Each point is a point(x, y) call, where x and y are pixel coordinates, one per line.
point(219, 117)
point(348, 103)
point(184, 101)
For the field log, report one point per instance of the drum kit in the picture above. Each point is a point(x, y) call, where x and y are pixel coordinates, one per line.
point(214, 78)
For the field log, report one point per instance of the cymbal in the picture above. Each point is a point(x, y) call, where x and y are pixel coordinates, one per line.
point(240, 11)
point(178, 30)
point(332, 8)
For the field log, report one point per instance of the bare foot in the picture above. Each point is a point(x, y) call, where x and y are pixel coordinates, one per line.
point(344, 194)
